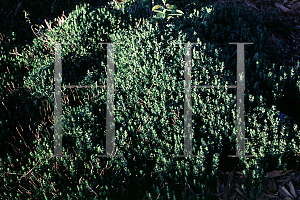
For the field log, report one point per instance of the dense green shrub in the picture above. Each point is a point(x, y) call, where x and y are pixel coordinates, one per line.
point(40, 81)
point(20, 23)
point(223, 24)
point(149, 95)
point(35, 99)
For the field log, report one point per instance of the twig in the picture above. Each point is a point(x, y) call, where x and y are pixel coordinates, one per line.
point(115, 152)
point(16, 52)
point(18, 6)
point(91, 189)
point(174, 122)
point(49, 27)
point(143, 103)
point(157, 197)
point(25, 190)
point(13, 146)
point(32, 169)
point(191, 189)
point(22, 138)
point(11, 114)
point(2, 188)
point(38, 36)
point(92, 166)
point(1, 37)
point(177, 113)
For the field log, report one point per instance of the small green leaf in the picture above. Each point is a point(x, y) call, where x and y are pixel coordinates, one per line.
point(169, 17)
point(176, 14)
point(169, 6)
point(164, 12)
point(160, 15)
point(156, 7)
point(179, 11)
point(174, 7)
point(158, 11)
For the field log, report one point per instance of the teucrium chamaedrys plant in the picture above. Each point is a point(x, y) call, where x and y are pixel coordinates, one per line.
point(147, 95)
point(84, 29)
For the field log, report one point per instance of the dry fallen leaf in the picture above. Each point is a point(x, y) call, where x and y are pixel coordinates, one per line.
point(228, 185)
point(295, 6)
point(283, 8)
point(277, 173)
point(271, 185)
point(292, 189)
point(284, 192)
point(271, 196)
point(285, 1)
point(240, 192)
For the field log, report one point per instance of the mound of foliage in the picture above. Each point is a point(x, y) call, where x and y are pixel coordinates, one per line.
point(149, 102)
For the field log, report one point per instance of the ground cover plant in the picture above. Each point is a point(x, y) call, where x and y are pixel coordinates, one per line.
point(149, 99)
